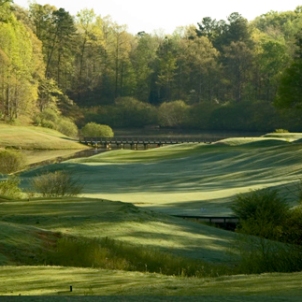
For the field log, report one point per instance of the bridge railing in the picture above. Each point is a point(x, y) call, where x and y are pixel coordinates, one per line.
point(146, 140)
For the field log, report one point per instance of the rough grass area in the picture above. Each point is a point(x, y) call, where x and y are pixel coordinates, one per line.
point(92, 218)
point(53, 283)
point(35, 138)
point(190, 179)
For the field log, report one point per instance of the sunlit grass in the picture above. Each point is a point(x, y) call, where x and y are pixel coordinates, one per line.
point(183, 179)
point(35, 138)
point(92, 218)
point(54, 281)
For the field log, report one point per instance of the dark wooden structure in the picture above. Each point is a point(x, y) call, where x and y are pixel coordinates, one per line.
point(224, 222)
point(120, 142)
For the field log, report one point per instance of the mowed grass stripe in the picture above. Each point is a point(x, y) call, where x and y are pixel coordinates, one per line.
point(183, 179)
point(93, 218)
point(54, 281)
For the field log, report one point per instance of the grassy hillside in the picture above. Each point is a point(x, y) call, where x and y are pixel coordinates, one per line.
point(35, 138)
point(190, 178)
point(93, 218)
point(183, 179)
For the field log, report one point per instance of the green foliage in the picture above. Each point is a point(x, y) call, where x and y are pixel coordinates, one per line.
point(11, 161)
point(96, 130)
point(10, 187)
point(115, 255)
point(264, 214)
point(56, 184)
point(50, 118)
point(173, 114)
point(293, 226)
point(259, 255)
point(261, 213)
point(67, 127)
point(290, 91)
point(129, 112)
point(281, 131)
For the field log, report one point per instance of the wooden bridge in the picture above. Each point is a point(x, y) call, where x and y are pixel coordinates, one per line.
point(120, 142)
point(225, 222)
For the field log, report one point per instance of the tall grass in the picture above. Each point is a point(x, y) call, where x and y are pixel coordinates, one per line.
point(107, 253)
point(259, 255)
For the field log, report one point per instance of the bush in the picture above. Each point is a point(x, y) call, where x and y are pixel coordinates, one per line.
point(261, 213)
point(10, 187)
point(281, 131)
point(56, 184)
point(67, 127)
point(293, 226)
point(259, 255)
point(173, 114)
point(11, 161)
point(97, 130)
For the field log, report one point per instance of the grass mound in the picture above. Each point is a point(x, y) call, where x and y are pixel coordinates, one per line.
point(97, 219)
point(23, 244)
point(285, 136)
point(36, 138)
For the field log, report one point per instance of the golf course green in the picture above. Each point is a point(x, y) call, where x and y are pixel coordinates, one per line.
point(130, 197)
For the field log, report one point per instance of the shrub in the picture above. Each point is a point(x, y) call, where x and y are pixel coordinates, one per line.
point(261, 213)
point(293, 226)
point(67, 127)
point(281, 131)
point(49, 124)
point(259, 255)
point(49, 115)
point(11, 161)
point(56, 184)
point(173, 114)
point(97, 130)
point(10, 187)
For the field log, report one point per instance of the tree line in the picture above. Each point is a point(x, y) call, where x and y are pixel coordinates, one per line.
point(219, 74)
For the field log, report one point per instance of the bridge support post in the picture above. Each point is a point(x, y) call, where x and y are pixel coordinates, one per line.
point(133, 146)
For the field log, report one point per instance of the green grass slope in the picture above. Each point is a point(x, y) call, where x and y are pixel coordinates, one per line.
point(183, 179)
point(93, 218)
point(188, 179)
point(35, 138)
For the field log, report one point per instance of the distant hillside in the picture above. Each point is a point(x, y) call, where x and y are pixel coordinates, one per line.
point(35, 138)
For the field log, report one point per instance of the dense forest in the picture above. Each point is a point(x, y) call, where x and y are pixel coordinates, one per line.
point(220, 74)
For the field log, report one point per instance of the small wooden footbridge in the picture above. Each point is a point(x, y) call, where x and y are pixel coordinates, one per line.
point(146, 142)
point(224, 222)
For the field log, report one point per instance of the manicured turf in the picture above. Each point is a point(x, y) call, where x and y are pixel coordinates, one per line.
point(56, 281)
point(184, 179)
point(189, 179)
point(100, 218)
